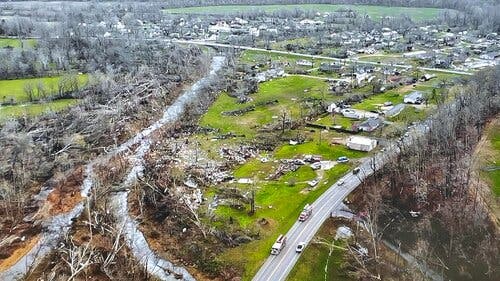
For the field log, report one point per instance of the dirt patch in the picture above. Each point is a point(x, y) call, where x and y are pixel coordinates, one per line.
point(406, 89)
point(18, 253)
point(66, 195)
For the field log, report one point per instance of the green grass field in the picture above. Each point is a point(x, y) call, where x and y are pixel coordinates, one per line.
point(335, 120)
point(280, 204)
point(17, 43)
point(15, 111)
point(375, 101)
point(13, 90)
point(374, 12)
point(289, 91)
point(411, 114)
point(325, 149)
point(494, 159)
point(314, 258)
point(278, 201)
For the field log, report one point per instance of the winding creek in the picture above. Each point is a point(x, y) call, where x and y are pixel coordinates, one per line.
point(55, 228)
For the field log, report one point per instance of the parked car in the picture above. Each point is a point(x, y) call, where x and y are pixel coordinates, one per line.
point(312, 183)
point(300, 247)
point(342, 159)
point(316, 166)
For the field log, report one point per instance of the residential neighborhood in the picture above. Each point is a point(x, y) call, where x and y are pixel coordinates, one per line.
point(250, 140)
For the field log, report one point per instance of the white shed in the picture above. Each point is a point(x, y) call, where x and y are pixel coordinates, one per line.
point(361, 143)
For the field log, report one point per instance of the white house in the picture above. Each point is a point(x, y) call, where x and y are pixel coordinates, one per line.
point(304, 63)
point(331, 108)
point(349, 113)
point(361, 143)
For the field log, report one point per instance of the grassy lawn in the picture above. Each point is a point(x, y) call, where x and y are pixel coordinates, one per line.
point(328, 151)
point(278, 201)
point(314, 258)
point(16, 43)
point(289, 91)
point(14, 89)
point(373, 11)
point(411, 114)
point(335, 120)
point(494, 158)
point(373, 102)
point(280, 204)
point(14, 111)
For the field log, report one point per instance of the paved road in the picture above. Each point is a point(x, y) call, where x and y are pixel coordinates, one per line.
point(360, 61)
point(276, 268)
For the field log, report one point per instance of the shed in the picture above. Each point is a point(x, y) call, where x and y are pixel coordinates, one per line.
point(361, 143)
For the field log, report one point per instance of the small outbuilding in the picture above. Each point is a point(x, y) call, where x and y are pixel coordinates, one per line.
point(361, 143)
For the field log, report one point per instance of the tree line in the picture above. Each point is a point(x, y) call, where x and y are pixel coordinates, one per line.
point(434, 177)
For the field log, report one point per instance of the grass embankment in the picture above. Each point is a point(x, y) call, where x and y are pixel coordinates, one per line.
point(17, 43)
point(313, 260)
point(15, 89)
point(375, 12)
point(278, 201)
point(491, 157)
point(13, 92)
point(10, 111)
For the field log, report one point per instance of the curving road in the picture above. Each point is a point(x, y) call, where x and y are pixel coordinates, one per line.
point(276, 268)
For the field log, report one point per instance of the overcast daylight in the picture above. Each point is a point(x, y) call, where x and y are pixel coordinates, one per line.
point(250, 140)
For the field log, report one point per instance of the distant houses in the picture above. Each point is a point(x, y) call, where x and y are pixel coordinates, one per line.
point(330, 67)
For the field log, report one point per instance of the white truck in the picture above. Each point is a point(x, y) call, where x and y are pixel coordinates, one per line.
point(278, 245)
point(306, 212)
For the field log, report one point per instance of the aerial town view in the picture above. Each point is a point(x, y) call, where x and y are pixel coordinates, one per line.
point(250, 140)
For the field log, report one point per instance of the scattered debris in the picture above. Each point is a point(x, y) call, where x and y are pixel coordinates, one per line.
point(343, 232)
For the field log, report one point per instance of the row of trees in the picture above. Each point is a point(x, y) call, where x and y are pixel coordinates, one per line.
point(477, 14)
point(435, 177)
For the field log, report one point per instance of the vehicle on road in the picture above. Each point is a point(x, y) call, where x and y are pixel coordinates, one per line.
point(278, 245)
point(306, 212)
point(342, 159)
point(300, 247)
point(340, 182)
point(356, 171)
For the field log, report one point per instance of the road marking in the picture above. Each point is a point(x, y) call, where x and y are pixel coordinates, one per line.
point(319, 220)
point(308, 238)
